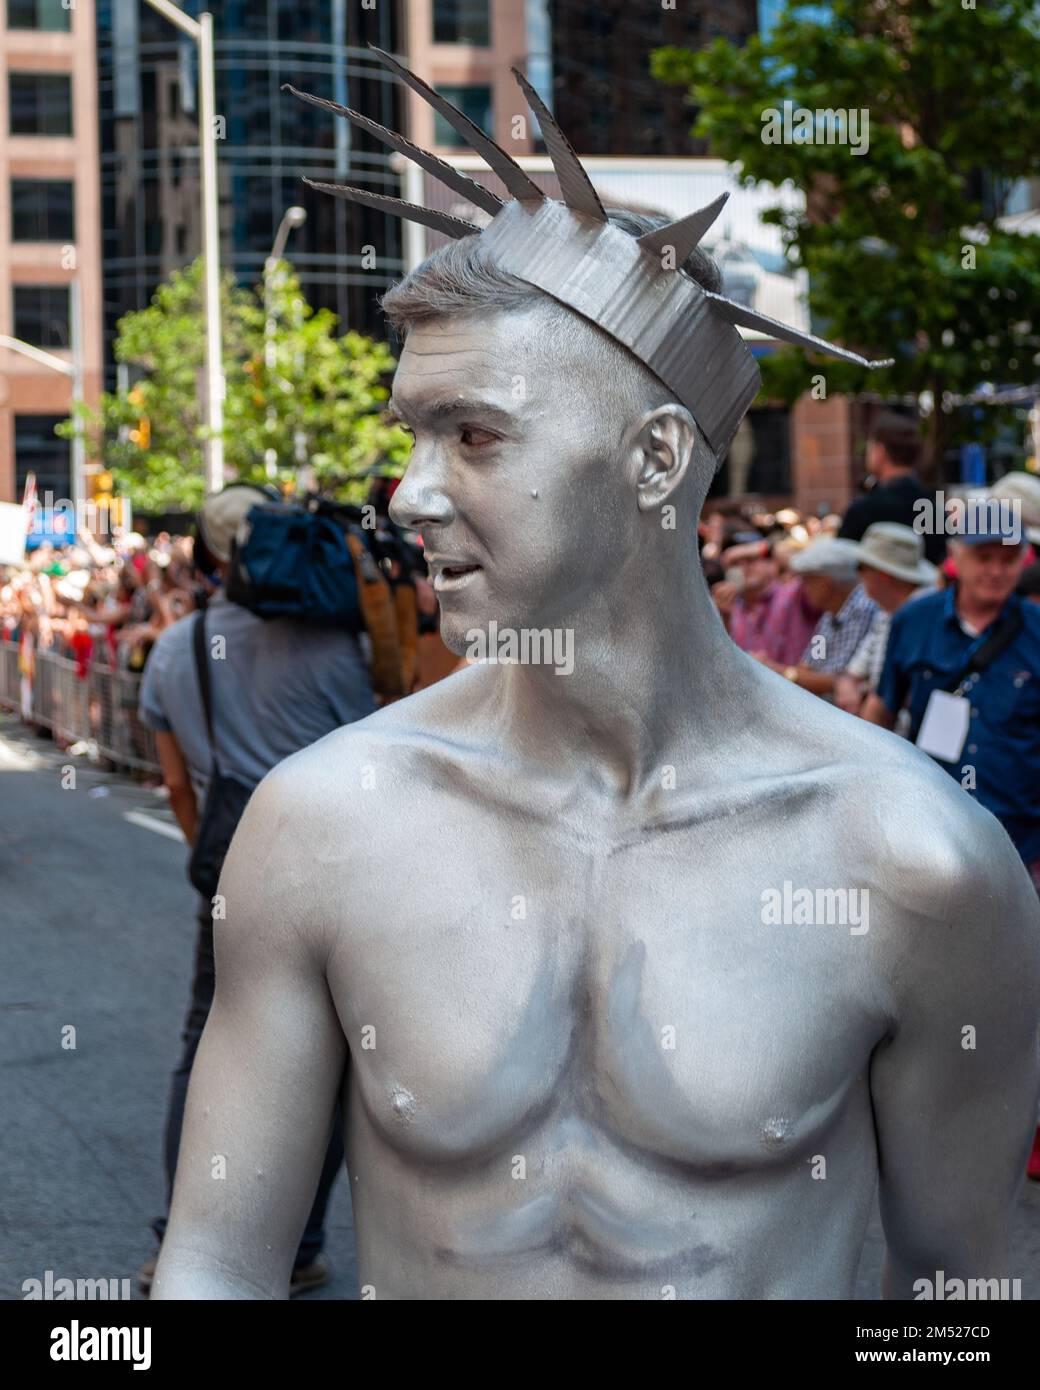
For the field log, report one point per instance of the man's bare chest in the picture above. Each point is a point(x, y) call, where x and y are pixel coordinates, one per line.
point(633, 989)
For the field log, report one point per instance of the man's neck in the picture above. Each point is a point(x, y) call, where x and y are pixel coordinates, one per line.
point(655, 681)
point(889, 474)
point(975, 614)
point(839, 601)
point(896, 599)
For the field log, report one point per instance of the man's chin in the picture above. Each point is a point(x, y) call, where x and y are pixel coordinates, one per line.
point(459, 626)
point(468, 630)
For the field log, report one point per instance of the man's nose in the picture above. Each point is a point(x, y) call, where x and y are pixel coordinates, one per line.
point(421, 498)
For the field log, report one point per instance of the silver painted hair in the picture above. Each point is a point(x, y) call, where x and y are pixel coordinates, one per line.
point(462, 278)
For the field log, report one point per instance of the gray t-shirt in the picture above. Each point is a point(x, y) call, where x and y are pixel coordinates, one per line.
point(280, 686)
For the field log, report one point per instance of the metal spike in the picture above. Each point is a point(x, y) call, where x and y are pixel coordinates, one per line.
point(578, 192)
point(684, 235)
point(749, 318)
point(382, 202)
point(520, 186)
point(472, 191)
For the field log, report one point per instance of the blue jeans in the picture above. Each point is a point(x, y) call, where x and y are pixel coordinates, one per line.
point(201, 999)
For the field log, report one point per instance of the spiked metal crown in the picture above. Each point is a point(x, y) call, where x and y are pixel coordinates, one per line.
point(633, 288)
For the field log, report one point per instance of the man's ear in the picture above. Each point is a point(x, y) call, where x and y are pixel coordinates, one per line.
point(662, 450)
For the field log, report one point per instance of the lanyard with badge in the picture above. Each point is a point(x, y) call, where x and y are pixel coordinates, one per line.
point(947, 716)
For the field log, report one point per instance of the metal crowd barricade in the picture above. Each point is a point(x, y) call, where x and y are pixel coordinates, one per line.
point(99, 709)
point(9, 696)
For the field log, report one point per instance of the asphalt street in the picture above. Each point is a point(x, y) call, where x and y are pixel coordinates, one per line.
point(97, 932)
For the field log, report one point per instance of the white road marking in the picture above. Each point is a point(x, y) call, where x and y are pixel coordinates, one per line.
point(15, 760)
point(160, 827)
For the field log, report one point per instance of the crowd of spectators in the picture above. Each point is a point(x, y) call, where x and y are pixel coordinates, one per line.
point(944, 650)
point(97, 605)
point(89, 599)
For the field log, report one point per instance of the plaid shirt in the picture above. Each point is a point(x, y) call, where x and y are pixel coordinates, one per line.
point(780, 624)
point(842, 632)
point(869, 659)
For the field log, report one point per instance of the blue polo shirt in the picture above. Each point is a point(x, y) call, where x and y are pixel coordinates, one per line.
point(927, 647)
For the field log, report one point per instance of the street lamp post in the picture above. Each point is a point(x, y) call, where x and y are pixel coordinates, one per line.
point(79, 460)
point(201, 31)
point(293, 217)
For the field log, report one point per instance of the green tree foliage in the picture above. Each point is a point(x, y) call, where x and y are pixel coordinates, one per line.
point(901, 243)
point(299, 394)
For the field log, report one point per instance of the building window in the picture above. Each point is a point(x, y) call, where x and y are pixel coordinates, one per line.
point(37, 449)
point(50, 15)
point(475, 102)
point(42, 210)
point(41, 103)
point(462, 21)
point(41, 315)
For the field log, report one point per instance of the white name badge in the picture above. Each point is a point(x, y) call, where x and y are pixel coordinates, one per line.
point(944, 727)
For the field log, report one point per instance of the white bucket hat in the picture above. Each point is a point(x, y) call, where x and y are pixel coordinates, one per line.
point(896, 550)
point(830, 555)
point(1023, 488)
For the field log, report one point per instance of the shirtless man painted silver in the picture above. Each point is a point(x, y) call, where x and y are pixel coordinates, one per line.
point(516, 922)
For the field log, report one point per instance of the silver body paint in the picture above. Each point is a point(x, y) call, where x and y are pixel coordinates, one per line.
point(515, 922)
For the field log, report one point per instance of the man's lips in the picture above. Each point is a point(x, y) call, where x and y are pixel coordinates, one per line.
point(450, 574)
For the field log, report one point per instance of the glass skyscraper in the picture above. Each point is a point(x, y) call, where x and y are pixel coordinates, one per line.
point(148, 76)
point(603, 94)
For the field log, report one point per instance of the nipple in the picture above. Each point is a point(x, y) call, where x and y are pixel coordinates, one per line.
point(775, 1131)
point(402, 1103)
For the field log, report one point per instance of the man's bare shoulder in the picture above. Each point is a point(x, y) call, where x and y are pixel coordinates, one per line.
point(325, 825)
point(371, 768)
point(943, 872)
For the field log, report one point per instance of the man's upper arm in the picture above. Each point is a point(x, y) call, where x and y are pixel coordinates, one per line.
point(267, 1073)
point(954, 1089)
point(175, 771)
point(150, 707)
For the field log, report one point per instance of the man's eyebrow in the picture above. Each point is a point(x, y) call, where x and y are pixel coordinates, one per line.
point(453, 408)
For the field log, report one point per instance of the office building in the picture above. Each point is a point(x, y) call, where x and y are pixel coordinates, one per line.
point(268, 139)
point(464, 49)
point(49, 232)
point(588, 59)
point(603, 93)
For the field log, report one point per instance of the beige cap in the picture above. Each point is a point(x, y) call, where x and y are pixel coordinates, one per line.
point(896, 550)
point(221, 515)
